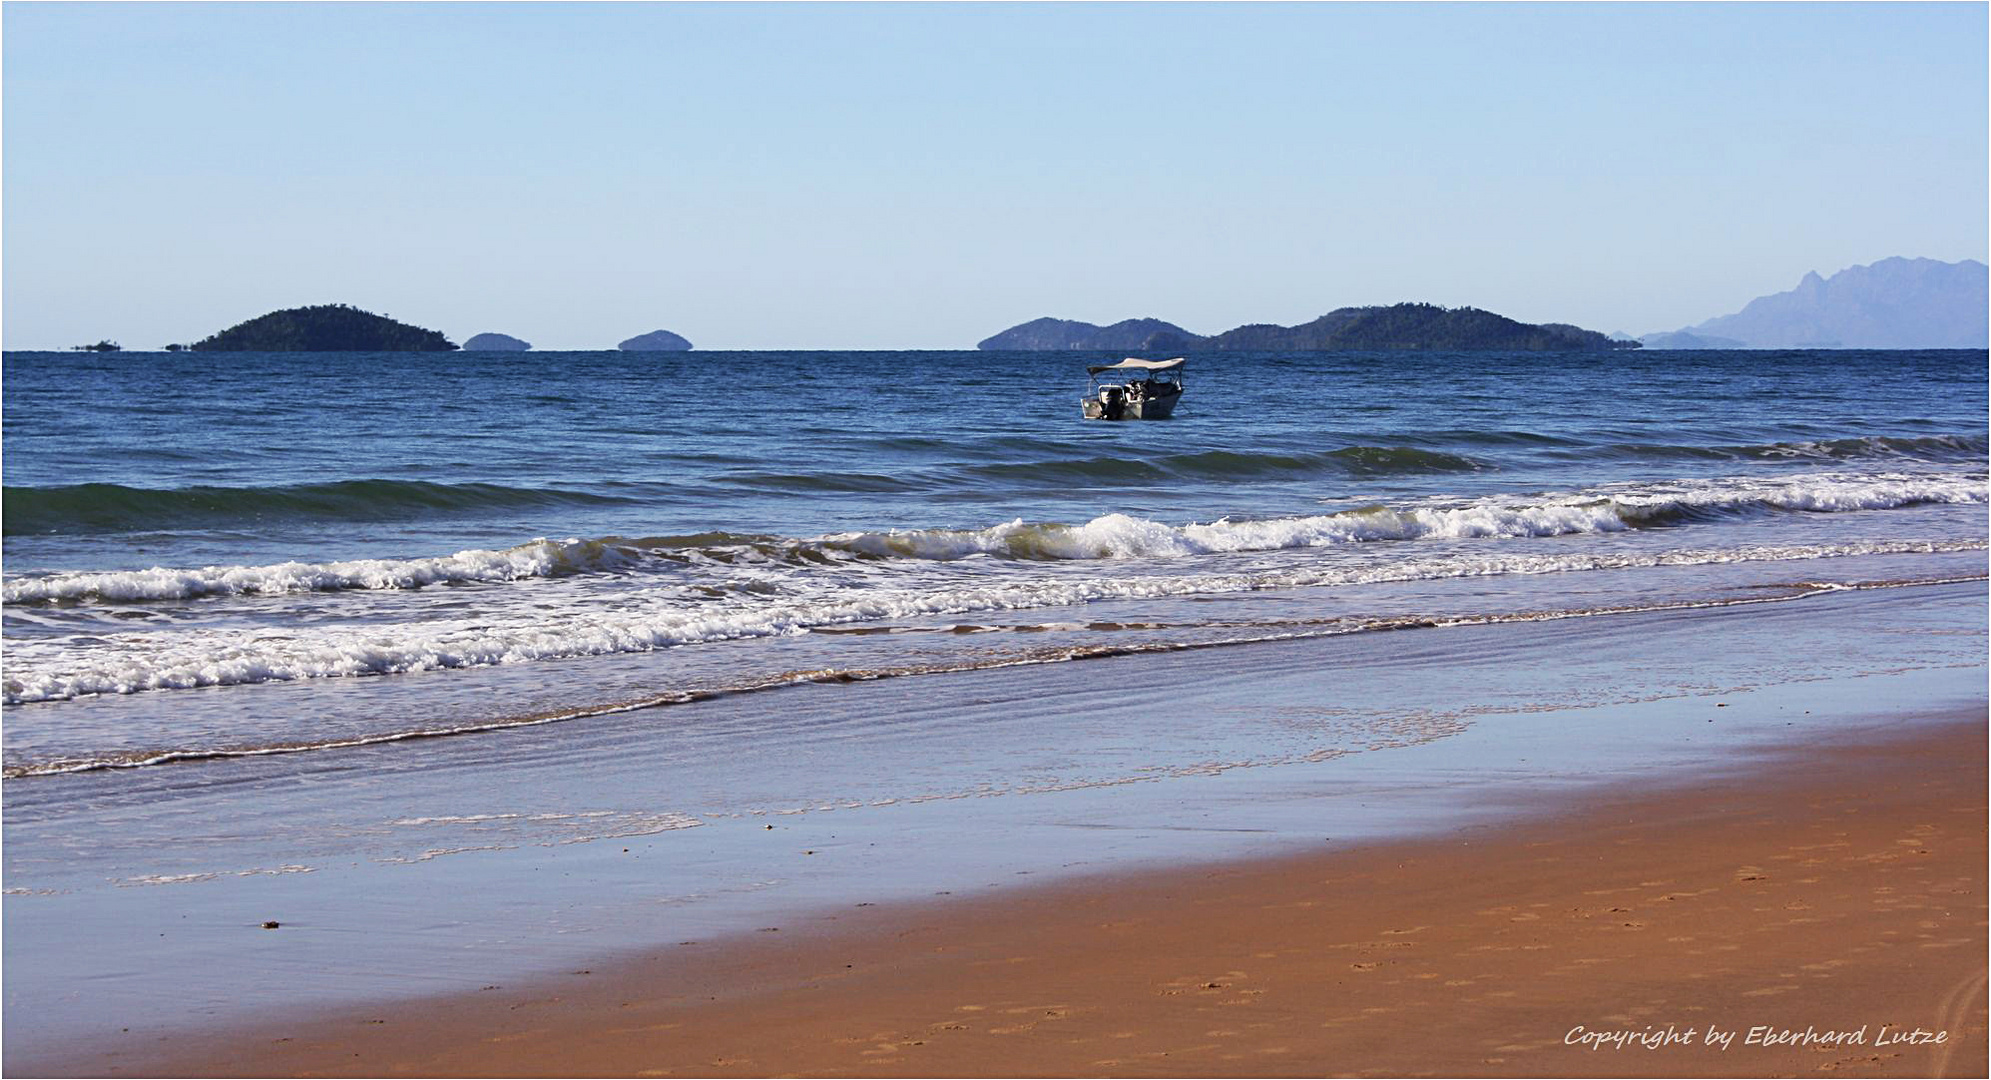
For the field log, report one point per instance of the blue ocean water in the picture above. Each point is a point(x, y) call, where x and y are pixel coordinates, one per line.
point(473, 668)
point(237, 553)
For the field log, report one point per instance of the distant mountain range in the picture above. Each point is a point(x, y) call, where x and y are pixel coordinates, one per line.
point(1399, 326)
point(1892, 304)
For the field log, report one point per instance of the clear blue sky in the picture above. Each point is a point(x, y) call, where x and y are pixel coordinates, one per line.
point(828, 176)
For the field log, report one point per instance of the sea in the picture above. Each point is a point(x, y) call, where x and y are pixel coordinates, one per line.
point(285, 617)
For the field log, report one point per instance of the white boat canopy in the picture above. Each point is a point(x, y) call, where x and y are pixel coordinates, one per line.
point(1140, 365)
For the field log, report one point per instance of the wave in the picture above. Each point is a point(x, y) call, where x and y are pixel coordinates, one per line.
point(1060, 654)
point(111, 508)
point(1872, 447)
point(1112, 536)
point(540, 558)
point(1612, 509)
point(148, 661)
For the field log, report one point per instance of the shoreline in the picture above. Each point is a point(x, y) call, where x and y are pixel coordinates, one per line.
point(1837, 886)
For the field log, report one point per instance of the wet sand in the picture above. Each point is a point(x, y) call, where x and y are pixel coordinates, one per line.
point(1839, 888)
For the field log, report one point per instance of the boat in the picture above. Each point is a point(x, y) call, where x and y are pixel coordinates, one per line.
point(1150, 392)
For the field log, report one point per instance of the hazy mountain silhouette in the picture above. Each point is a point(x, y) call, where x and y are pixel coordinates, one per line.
point(1892, 304)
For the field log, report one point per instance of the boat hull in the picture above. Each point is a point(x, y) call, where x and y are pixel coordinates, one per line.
point(1147, 408)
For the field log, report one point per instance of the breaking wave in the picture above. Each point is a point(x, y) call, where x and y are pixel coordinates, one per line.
point(1868, 448)
point(147, 661)
point(1112, 536)
point(1599, 510)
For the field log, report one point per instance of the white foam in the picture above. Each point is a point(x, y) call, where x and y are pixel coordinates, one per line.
point(540, 558)
point(50, 669)
point(1612, 508)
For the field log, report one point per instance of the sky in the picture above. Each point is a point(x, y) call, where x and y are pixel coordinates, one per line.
point(762, 176)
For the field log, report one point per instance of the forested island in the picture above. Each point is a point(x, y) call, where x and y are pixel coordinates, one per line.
point(1050, 335)
point(1396, 327)
point(1418, 326)
point(324, 328)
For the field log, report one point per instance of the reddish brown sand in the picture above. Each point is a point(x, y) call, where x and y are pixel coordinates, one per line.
point(1841, 889)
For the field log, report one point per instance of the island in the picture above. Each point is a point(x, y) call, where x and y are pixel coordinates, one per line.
point(655, 341)
point(1417, 326)
point(1682, 341)
point(324, 328)
point(1349, 329)
point(495, 343)
point(1048, 335)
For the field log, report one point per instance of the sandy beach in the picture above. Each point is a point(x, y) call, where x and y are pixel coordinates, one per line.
point(1836, 890)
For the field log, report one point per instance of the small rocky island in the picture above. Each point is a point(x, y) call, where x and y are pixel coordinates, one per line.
point(495, 343)
point(1351, 329)
point(324, 328)
point(1682, 341)
point(655, 341)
